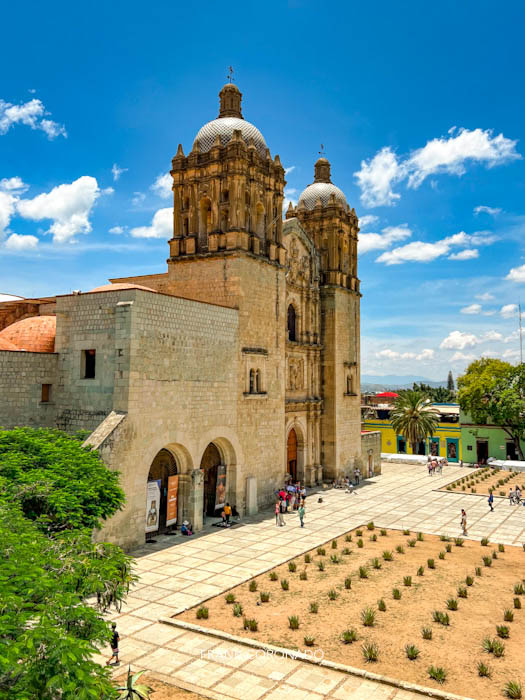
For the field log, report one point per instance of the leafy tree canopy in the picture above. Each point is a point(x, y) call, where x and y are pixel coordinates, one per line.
point(438, 394)
point(58, 483)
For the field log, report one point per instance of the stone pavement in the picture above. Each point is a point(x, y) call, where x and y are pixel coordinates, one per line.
point(195, 569)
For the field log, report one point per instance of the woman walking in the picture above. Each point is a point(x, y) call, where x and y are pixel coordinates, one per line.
point(464, 522)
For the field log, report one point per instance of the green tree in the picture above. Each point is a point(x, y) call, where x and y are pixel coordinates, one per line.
point(55, 582)
point(494, 391)
point(450, 383)
point(438, 394)
point(413, 417)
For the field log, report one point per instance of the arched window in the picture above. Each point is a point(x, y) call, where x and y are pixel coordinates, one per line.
point(292, 323)
point(258, 382)
point(252, 381)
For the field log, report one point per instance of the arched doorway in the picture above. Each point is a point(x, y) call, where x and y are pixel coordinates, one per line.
point(214, 470)
point(162, 468)
point(291, 451)
point(292, 323)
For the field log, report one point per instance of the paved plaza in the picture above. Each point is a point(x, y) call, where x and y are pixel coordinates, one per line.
point(190, 571)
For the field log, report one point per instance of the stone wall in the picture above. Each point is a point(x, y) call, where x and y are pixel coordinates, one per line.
point(371, 452)
point(21, 377)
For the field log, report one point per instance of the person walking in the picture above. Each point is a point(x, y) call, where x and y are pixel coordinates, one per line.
point(464, 522)
point(301, 514)
point(282, 511)
point(277, 509)
point(491, 501)
point(227, 513)
point(114, 645)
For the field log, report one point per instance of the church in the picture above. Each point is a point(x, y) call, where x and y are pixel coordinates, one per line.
point(232, 371)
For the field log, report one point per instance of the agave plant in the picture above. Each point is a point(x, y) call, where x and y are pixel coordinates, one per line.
point(133, 690)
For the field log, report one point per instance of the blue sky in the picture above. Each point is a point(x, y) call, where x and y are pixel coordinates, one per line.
point(420, 107)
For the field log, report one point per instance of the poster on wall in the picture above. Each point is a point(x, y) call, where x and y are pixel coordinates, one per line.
point(220, 493)
point(152, 506)
point(171, 507)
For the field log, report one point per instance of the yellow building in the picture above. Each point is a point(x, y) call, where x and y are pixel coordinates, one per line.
point(446, 441)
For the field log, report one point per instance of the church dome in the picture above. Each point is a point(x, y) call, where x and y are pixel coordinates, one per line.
point(7, 345)
point(34, 334)
point(230, 118)
point(321, 188)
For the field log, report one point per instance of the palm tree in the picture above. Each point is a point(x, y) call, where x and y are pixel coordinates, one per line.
point(414, 417)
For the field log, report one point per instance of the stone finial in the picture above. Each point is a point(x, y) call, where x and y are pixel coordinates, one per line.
point(322, 171)
point(230, 105)
point(277, 160)
point(217, 141)
point(180, 152)
point(196, 146)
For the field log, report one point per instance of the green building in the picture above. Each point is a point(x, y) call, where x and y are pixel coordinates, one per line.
point(479, 442)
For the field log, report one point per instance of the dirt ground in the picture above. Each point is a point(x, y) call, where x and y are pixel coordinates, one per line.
point(163, 691)
point(457, 648)
point(482, 480)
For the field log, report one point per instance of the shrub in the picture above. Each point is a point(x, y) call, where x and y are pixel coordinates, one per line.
point(501, 548)
point(441, 555)
point(437, 673)
point(303, 576)
point(421, 571)
point(359, 533)
point(463, 488)
point(370, 526)
point(284, 584)
point(406, 532)
point(292, 566)
point(273, 576)
point(253, 586)
point(360, 543)
point(383, 533)
point(309, 641)
point(411, 651)
point(320, 565)
point(407, 580)
point(448, 548)
point(502, 493)
point(512, 689)
point(363, 572)
point(462, 592)
point(349, 636)
point(370, 652)
point(400, 549)
point(488, 645)
point(519, 589)
point(498, 648)
point(431, 564)
point(508, 615)
point(381, 605)
point(487, 561)
point(469, 580)
point(387, 555)
point(348, 583)
point(334, 544)
point(411, 543)
point(494, 554)
point(347, 551)
point(458, 541)
point(202, 613)
point(264, 596)
point(237, 610)
point(348, 538)
point(426, 632)
point(420, 537)
point(396, 594)
point(251, 624)
point(517, 603)
point(373, 538)
point(335, 559)
point(503, 631)
point(368, 617)
point(307, 558)
point(376, 564)
point(333, 594)
point(314, 607)
point(441, 617)
point(293, 622)
point(477, 570)
point(321, 551)
point(444, 538)
point(452, 604)
point(230, 598)
point(483, 670)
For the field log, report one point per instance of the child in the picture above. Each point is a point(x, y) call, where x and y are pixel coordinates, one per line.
point(114, 645)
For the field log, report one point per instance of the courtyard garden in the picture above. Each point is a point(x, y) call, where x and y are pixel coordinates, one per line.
point(483, 481)
point(442, 612)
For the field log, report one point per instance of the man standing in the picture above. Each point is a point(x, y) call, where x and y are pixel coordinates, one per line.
point(114, 645)
point(491, 501)
point(301, 514)
point(464, 522)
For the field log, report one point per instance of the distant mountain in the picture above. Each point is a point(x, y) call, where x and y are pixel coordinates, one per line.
point(372, 382)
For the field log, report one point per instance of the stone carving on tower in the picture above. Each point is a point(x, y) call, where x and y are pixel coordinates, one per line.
point(228, 192)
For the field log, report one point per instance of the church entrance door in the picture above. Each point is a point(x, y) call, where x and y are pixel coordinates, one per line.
point(291, 459)
point(214, 481)
point(162, 467)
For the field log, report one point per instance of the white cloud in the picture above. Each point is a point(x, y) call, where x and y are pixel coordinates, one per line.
point(289, 170)
point(510, 354)
point(450, 155)
point(472, 309)
point(117, 172)
point(512, 337)
point(482, 209)
point(426, 354)
point(138, 198)
point(491, 335)
point(486, 296)
point(67, 205)
point(162, 186)
point(289, 198)
point(376, 178)
point(509, 310)
point(18, 242)
point(490, 353)
point(380, 241)
point(461, 356)
point(14, 185)
point(467, 254)
point(30, 114)
point(366, 220)
point(517, 274)
point(7, 209)
point(419, 251)
point(457, 340)
point(161, 226)
point(117, 230)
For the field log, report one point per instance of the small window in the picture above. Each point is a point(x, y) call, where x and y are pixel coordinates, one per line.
point(88, 362)
point(292, 323)
point(258, 381)
point(252, 381)
point(46, 393)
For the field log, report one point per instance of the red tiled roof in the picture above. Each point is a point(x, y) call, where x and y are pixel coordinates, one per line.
point(35, 334)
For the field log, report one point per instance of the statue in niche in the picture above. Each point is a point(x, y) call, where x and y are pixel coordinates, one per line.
point(295, 374)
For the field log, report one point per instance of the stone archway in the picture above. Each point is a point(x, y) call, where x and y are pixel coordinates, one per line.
point(215, 483)
point(214, 480)
point(163, 467)
point(295, 452)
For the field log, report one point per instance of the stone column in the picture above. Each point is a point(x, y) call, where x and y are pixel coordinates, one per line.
point(195, 499)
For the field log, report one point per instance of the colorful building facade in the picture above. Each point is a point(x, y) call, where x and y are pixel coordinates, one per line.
point(480, 442)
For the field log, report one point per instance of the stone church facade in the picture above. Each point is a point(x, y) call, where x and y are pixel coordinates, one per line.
point(239, 364)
